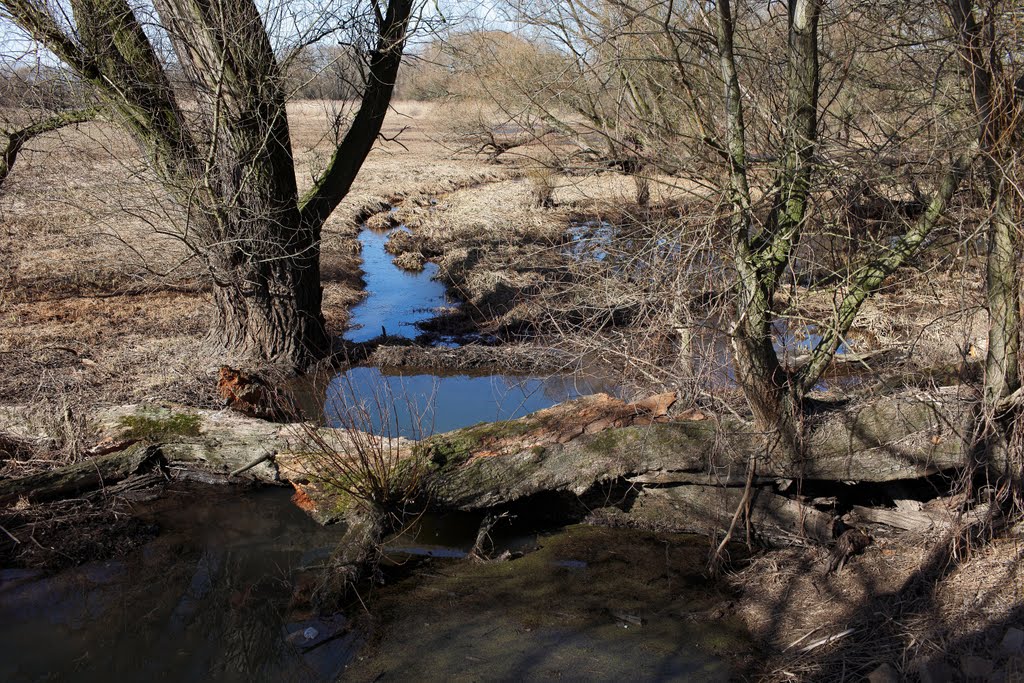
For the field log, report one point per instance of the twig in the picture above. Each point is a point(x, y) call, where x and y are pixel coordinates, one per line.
point(802, 638)
point(825, 641)
point(244, 468)
point(743, 507)
point(10, 536)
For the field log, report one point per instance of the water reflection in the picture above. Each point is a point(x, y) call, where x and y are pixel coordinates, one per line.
point(415, 405)
point(396, 299)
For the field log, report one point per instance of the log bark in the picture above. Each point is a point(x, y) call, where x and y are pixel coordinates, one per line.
point(902, 437)
point(79, 477)
point(922, 520)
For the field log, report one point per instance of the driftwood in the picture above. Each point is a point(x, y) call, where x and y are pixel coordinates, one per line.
point(79, 477)
point(921, 519)
point(709, 509)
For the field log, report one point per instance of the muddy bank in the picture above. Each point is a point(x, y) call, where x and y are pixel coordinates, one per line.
point(512, 358)
point(590, 604)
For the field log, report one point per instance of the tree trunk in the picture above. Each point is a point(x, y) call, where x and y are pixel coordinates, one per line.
point(767, 389)
point(1001, 362)
point(272, 311)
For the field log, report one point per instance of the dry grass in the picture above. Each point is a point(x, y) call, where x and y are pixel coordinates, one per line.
point(96, 304)
point(907, 601)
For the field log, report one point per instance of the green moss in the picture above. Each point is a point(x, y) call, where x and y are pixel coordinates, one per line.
point(454, 448)
point(157, 428)
point(607, 441)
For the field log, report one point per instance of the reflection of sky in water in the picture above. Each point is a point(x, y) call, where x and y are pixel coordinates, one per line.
point(396, 299)
point(795, 339)
point(425, 404)
point(589, 239)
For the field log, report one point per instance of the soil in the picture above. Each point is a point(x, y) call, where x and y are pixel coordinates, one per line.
point(70, 533)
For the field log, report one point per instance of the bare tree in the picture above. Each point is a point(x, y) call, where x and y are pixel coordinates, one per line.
point(226, 160)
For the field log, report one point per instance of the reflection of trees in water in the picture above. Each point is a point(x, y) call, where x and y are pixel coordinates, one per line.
point(238, 630)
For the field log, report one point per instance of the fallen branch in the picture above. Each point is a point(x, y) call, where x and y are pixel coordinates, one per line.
point(825, 641)
point(82, 476)
point(10, 536)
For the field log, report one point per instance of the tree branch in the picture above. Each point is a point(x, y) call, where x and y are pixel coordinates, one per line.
point(869, 278)
point(18, 138)
point(348, 157)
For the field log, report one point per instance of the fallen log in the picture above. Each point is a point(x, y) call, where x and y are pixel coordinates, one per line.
point(573, 446)
point(924, 519)
point(217, 442)
point(708, 510)
point(79, 477)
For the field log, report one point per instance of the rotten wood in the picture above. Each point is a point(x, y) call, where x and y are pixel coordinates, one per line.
point(922, 520)
point(80, 477)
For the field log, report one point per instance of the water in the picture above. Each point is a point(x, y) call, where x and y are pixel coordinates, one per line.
point(396, 299)
point(221, 594)
point(413, 404)
point(417, 405)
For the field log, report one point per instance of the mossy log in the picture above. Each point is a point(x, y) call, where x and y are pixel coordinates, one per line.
point(571, 447)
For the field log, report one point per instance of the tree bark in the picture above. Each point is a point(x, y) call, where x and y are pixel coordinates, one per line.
point(272, 311)
point(79, 477)
point(760, 261)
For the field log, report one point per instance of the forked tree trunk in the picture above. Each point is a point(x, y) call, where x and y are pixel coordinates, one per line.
point(228, 161)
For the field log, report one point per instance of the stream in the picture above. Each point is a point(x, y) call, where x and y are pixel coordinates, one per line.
point(411, 404)
point(226, 590)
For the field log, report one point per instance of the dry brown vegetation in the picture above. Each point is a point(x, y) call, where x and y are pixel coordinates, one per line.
point(97, 305)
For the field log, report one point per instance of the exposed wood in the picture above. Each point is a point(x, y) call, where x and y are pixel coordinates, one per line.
point(921, 520)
